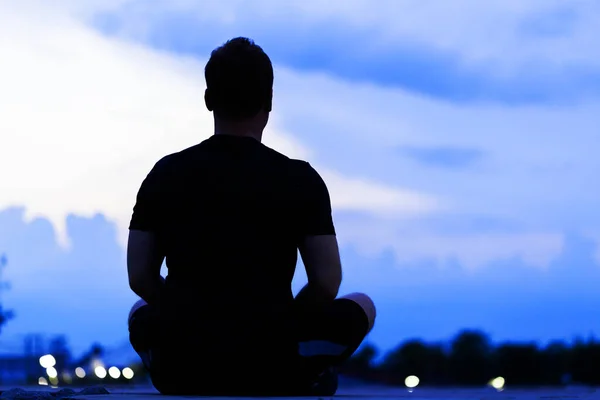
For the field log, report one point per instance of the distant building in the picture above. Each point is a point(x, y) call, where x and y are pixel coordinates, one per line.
point(18, 369)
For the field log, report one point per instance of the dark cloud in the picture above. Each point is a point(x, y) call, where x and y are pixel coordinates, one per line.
point(355, 54)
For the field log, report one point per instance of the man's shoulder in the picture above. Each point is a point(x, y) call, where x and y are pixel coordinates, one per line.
point(170, 160)
point(293, 165)
point(303, 168)
point(274, 154)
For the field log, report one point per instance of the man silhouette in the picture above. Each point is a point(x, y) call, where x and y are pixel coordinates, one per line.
point(229, 216)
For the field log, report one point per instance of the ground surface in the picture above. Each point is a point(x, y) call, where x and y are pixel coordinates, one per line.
point(358, 392)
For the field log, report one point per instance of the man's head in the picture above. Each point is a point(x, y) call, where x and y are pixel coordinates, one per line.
point(239, 81)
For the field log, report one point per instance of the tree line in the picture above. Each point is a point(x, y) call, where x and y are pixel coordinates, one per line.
point(470, 359)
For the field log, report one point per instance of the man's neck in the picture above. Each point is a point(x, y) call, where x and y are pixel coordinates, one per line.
point(239, 129)
point(249, 134)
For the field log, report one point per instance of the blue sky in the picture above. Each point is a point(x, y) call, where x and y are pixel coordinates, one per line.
point(457, 139)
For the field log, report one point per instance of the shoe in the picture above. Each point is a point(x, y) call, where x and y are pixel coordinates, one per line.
point(326, 384)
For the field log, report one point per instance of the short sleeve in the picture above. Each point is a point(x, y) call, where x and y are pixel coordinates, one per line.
point(147, 210)
point(315, 204)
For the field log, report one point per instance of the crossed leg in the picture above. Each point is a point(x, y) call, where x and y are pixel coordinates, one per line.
point(326, 338)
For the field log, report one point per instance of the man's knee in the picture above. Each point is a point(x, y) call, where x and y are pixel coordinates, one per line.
point(138, 304)
point(366, 303)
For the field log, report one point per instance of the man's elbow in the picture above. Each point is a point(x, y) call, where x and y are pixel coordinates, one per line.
point(329, 288)
point(138, 284)
point(331, 292)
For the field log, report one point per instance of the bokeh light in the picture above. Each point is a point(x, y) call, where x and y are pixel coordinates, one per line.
point(114, 372)
point(497, 383)
point(80, 372)
point(51, 372)
point(47, 361)
point(128, 373)
point(100, 372)
point(411, 381)
point(42, 381)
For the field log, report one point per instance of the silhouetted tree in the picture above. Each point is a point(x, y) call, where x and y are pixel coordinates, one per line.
point(555, 363)
point(469, 361)
point(585, 361)
point(363, 359)
point(5, 315)
point(438, 363)
point(60, 350)
point(361, 363)
point(414, 357)
point(410, 358)
point(96, 351)
point(519, 364)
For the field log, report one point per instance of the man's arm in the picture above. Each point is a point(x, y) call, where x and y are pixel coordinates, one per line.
point(145, 254)
point(321, 259)
point(144, 259)
point(318, 246)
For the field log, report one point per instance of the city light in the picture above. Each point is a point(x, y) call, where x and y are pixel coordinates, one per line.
point(42, 381)
point(100, 372)
point(114, 372)
point(80, 372)
point(411, 381)
point(51, 372)
point(497, 383)
point(66, 377)
point(47, 361)
point(127, 373)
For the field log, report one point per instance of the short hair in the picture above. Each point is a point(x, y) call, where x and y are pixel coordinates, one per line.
point(239, 80)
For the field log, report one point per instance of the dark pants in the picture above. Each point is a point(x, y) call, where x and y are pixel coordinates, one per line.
point(296, 361)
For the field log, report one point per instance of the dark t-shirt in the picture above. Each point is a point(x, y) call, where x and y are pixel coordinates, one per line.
point(229, 214)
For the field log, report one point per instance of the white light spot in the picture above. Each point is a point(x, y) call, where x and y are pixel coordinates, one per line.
point(51, 372)
point(411, 381)
point(42, 381)
point(127, 373)
point(100, 372)
point(80, 372)
point(47, 361)
point(497, 383)
point(114, 372)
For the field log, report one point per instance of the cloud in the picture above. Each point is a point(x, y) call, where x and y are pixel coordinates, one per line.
point(532, 172)
point(101, 110)
point(87, 116)
point(558, 21)
point(413, 242)
point(82, 291)
point(446, 157)
point(507, 298)
point(510, 51)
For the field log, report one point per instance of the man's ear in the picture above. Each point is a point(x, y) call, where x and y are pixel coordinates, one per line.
point(208, 100)
point(269, 103)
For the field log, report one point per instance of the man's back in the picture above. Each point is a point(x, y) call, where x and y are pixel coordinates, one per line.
point(229, 214)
